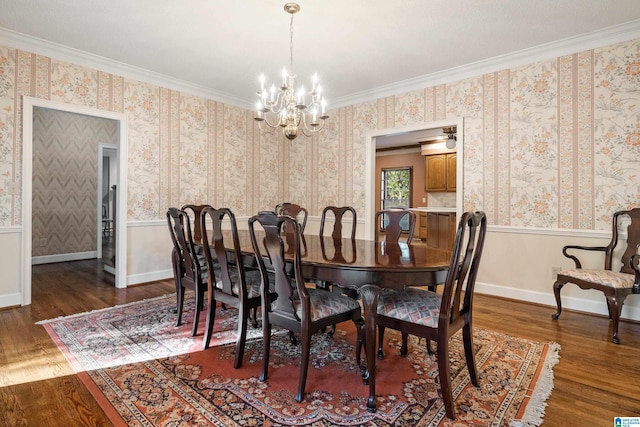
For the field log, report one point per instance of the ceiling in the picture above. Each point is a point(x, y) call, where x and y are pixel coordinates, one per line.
point(357, 47)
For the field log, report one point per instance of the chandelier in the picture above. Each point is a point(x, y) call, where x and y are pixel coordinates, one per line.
point(287, 107)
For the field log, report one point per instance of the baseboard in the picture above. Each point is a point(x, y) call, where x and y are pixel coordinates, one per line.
point(76, 256)
point(10, 300)
point(571, 303)
point(153, 276)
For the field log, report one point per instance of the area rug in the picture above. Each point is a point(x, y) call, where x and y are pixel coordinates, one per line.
point(144, 371)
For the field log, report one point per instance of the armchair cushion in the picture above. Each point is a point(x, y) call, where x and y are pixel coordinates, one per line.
point(609, 278)
point(411, 305)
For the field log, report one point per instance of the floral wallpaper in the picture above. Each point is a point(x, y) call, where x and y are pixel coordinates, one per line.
point(552, 144)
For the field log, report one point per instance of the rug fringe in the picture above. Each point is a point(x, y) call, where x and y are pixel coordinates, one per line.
point(71, 316)
point(534, 412)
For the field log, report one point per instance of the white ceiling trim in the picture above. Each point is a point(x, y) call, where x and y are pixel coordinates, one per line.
point(60, 52)
point(568, 46)
point(600, 38)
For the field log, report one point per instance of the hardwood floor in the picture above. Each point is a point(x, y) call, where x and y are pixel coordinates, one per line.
point(595, 380)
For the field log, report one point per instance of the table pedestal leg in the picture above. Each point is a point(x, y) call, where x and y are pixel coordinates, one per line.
point(369, 294)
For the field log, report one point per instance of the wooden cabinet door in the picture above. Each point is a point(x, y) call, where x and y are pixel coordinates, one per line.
point(432, 230)
point(422, 224)
point(441, 230)
point(451, 171)
point(435, 172)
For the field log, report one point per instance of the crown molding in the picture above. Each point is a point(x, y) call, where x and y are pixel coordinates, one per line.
point(600, 38)
point(16, 40)
point(604, 37)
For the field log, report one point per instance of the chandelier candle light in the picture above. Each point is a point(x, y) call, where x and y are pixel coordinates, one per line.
point(287, 108)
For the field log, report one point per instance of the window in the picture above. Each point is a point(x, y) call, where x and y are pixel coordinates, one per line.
point(396, 191)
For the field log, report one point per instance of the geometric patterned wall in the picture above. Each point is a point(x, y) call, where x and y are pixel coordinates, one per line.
point(65, 179)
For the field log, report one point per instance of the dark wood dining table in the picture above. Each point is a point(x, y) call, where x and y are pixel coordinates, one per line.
point(368, 267)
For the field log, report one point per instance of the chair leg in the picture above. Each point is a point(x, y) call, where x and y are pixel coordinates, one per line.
point(404, 348)
point(210, 320)
point(444, 373)
point(380, 339)
point(196, 315)
point(177, 274)
point(304, 364)
point(359, 343)
point(179, 305)
point(429, 348)
point(615, 308)
point(254, 317)
point(467, 338)
point(557, 287)
point(242, 336)
point(266, 346)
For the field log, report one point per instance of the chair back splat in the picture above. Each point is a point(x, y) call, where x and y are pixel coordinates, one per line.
point(298, 308)
point(339, 217)
point(393, 219)
point(435, 316)
point(194, 212)
point(616, 285)
point(295, 211)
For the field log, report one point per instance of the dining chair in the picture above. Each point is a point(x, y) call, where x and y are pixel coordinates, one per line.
point(298, 308)
point(189, 268)
point(616, 285)
point(295, 211)
point(436, 316)
point(339, 218)
point(194, 212)
point(230, 283)
point(392, 219)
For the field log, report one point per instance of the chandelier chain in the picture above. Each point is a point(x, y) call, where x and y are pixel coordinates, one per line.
point(291, 45)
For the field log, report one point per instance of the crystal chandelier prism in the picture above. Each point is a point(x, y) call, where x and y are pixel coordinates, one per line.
point(287, 107)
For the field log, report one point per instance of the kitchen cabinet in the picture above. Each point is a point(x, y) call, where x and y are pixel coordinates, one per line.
point(441, 230)
point(422, 226)
point(440, 172)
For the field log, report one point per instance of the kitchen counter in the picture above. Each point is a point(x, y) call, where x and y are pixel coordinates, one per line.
point(433, 209)
point(436, 226)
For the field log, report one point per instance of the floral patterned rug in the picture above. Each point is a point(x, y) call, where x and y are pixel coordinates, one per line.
point(145, 371)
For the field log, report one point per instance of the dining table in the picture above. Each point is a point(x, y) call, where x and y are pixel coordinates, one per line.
point(368, 267)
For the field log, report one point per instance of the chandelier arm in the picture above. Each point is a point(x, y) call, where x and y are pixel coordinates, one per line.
point(310, 131)
point(272, 125)
point(278, 102)
point(268, 129)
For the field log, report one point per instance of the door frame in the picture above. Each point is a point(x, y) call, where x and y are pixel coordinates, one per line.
point(28, 104)
point(102, 147)
point(370, 165)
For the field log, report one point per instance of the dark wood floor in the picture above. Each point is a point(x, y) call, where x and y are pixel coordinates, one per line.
point(595, 380)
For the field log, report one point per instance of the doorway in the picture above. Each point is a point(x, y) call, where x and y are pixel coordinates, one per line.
point(370, 166)
point(29, 106)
